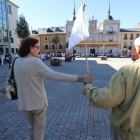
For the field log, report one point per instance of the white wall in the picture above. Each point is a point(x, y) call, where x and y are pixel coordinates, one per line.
point(13, 18)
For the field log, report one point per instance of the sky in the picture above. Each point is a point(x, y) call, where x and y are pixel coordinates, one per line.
point(55, 13)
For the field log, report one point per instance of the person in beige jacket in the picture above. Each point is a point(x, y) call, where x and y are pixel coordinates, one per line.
point(29, 71)
point(122, 96)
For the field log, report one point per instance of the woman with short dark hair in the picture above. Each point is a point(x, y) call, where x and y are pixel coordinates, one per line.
point(26, 43)
point(29, 71)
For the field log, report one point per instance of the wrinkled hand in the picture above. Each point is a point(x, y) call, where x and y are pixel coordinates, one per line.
point(87, 79)
point(3, 90)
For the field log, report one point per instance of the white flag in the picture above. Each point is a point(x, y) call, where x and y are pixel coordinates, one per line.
point(79, 29)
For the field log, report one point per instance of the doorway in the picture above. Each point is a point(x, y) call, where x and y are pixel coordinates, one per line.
point(92, 51)
point(1, 50)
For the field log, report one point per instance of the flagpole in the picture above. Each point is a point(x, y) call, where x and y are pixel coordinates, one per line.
point(80, 28)
point(90, 107)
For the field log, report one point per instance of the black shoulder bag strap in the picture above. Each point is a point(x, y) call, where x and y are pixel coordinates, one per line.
point(12, 69)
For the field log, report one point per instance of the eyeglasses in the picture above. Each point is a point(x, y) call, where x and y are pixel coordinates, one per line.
point(36, 47)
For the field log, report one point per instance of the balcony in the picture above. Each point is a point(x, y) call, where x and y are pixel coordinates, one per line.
point(130, 47)
point(53, 47)
point(127, 47)
point(125, 38)
point(111, 32)
point(131, 37)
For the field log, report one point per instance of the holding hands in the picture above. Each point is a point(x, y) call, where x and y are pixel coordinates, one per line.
point(86, 79)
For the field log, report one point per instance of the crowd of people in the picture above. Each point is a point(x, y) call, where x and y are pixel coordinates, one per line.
point(7, 58)
point(46, 56)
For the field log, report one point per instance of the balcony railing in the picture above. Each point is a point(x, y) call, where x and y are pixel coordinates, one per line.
point(111, 32)
point(130, 47)
point(127, 47)
point(125, 38)
point(131, 37)
point(61, 47)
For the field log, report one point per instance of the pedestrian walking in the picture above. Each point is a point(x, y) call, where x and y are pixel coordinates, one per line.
point(32, 99)
point(16, 55)
point(122, 96)
point(2, 59)
point(10, 59)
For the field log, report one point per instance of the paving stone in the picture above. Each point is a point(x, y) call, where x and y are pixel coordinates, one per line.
point(68, 114)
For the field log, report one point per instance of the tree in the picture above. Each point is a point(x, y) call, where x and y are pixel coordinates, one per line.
point(56, 40)
point(22, 28)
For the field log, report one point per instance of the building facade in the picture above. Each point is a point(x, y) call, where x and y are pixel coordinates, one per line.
point(12, 21)
point(46, 37)
point(108, 34)
point(127, 37)
point(9, 42)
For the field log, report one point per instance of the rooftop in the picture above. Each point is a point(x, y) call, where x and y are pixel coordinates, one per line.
point(130, 30)
point(12, 3)
point(52, 30)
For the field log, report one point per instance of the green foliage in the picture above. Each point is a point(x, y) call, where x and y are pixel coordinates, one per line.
point(56, 40)
point(22, 28)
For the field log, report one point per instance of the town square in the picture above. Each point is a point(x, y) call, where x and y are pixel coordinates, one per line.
point(69, 70)
point(68, 110)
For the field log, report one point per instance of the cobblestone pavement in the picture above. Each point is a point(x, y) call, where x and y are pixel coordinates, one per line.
point(68, 112)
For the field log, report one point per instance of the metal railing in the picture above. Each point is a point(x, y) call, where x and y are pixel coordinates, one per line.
point(111, 32)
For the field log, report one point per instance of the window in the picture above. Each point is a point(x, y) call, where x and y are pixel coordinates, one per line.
point(53, 46)
point(111, 30)
point(9, 9)
point(125, 36)
point(52, 38)
point(10, 33)
point(46, 38)
point(46, 46)
point(13, 51)
point(111, 39)
point(12, 40)
point(1, 50)
point(137, 35)
point(16, 50)
point(131, 36)
point(125, 44)
point(7, 50)
point(60, 37)
point(60, 46)
point(3, 7)
point(131, 43)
